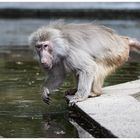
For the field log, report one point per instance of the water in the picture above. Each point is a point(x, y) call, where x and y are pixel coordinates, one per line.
point(22, 112)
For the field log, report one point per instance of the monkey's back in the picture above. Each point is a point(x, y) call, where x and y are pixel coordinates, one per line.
point(97, 40)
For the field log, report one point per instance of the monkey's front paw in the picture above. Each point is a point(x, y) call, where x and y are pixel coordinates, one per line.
point(45, 96)
point(76, 99)
point(46, 99)
point(73, 101)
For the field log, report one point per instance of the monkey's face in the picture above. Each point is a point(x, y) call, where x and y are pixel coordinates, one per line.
point(45, 51)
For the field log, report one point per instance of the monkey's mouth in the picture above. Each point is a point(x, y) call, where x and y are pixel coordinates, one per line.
point(46, 66)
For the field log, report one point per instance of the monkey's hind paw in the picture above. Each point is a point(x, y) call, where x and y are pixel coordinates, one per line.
point(94, 94)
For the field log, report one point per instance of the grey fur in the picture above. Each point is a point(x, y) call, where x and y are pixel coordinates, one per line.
point(91, 51)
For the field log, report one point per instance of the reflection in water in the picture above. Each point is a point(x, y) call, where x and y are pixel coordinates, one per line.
point(56, 124)
point(23, 113)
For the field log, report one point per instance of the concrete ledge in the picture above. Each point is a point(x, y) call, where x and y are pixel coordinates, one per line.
point(117, 110)
point(128, 88)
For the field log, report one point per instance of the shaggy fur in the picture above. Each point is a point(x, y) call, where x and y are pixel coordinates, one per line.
point(91, 51)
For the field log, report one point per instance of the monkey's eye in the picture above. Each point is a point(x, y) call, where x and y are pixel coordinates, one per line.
point(38, 46)
point(45, 46)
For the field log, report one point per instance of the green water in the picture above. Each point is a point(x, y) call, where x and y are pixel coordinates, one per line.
point(23, 113)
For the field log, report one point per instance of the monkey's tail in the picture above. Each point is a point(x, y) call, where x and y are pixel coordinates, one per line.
point(133, 43)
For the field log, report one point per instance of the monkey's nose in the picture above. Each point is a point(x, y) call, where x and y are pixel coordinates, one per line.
point(44, 61)
point(45, 65)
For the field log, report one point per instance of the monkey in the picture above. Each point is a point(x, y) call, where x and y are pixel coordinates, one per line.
point(90, 51)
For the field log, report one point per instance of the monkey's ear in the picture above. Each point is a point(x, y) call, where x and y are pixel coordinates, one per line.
point(31, 40)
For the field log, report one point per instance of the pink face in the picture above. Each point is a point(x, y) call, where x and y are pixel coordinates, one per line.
point(44, 50)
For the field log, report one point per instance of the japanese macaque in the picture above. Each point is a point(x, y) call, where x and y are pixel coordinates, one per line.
point(90, 51)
